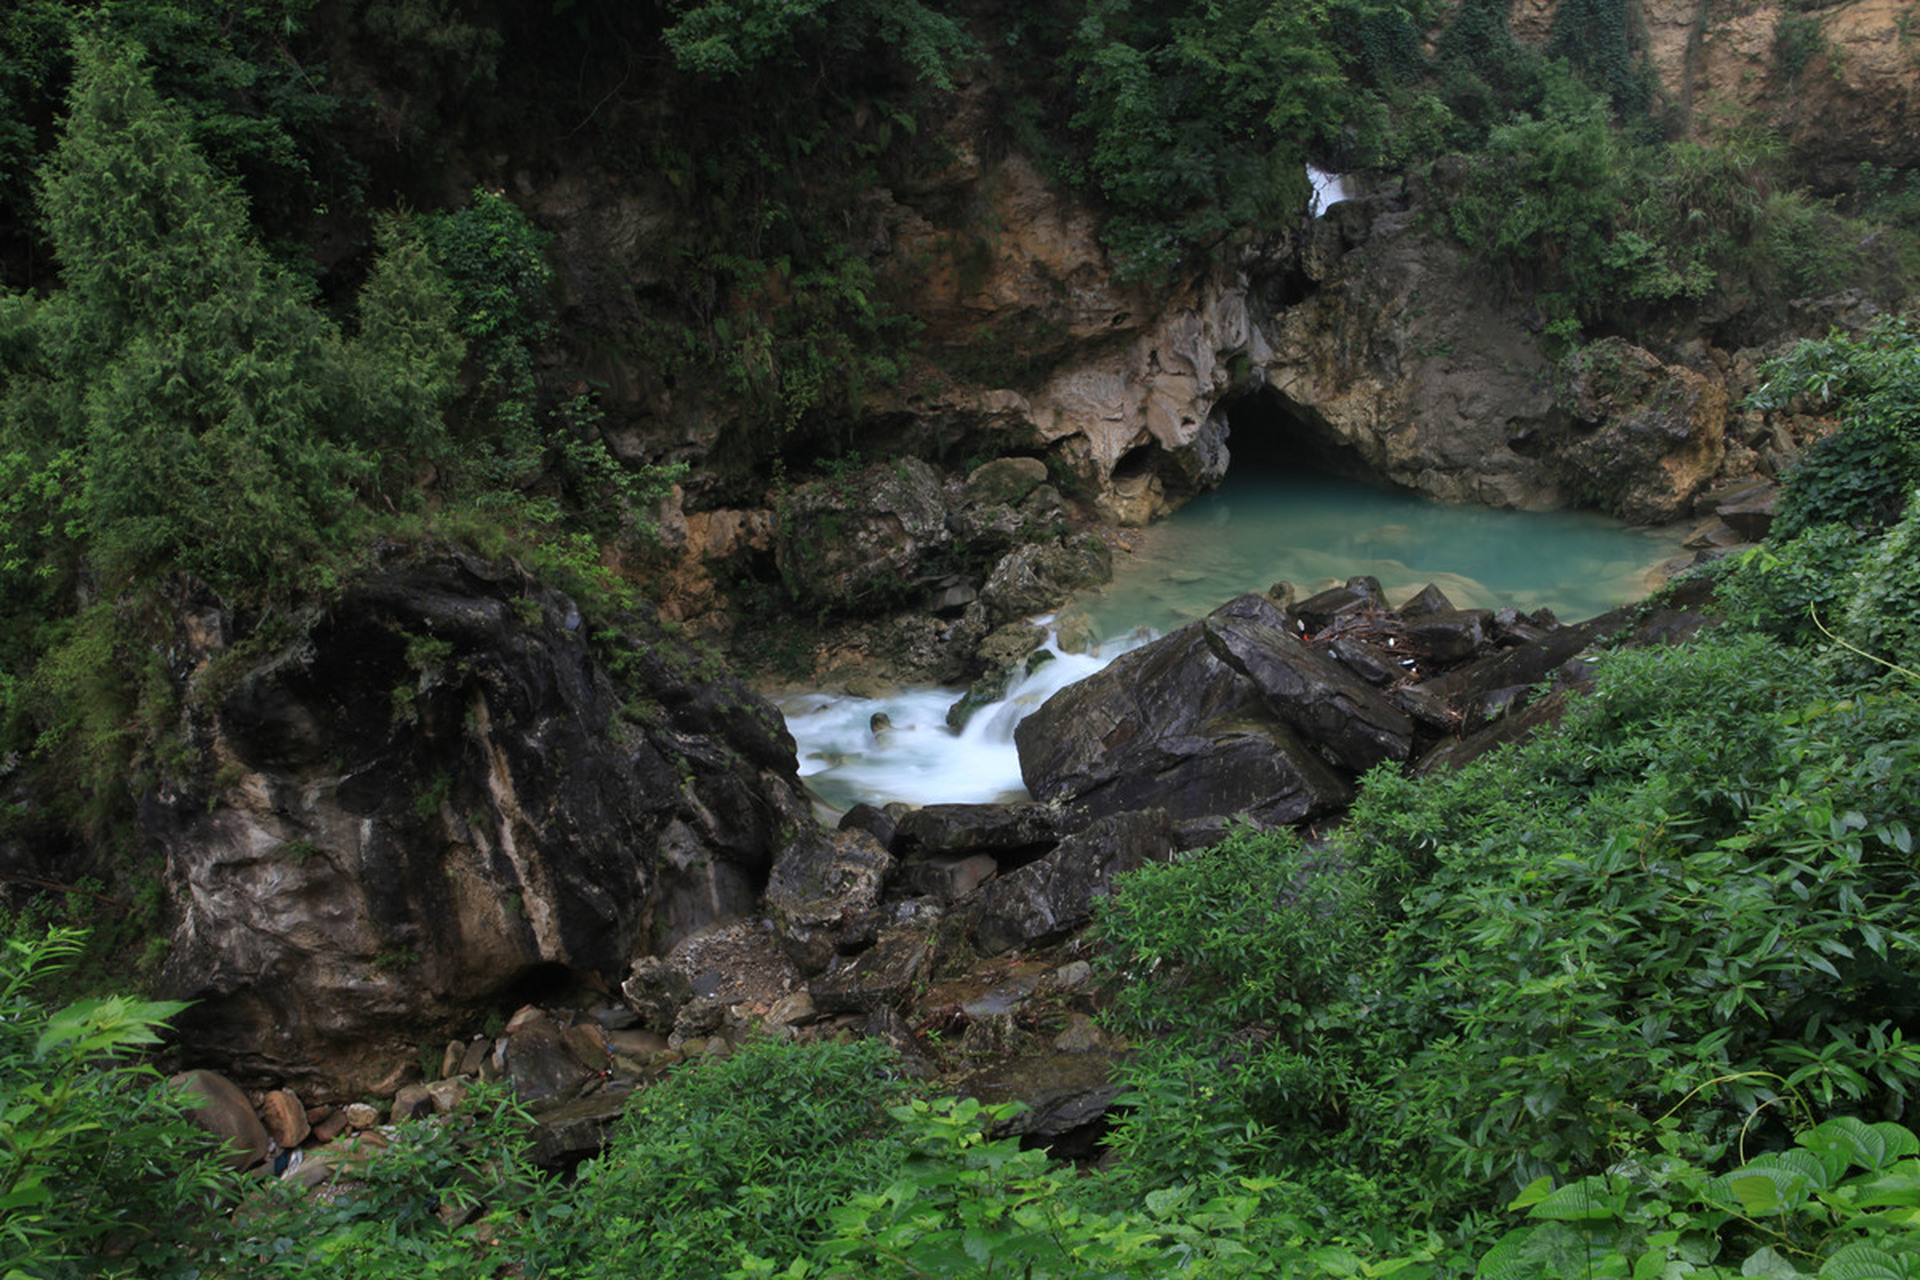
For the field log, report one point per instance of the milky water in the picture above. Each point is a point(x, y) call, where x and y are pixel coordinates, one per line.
point(1329, 189)
point(1256, 530)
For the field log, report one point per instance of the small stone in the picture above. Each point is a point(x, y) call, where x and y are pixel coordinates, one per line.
point(285, 1117)
point(447, 1095)
point(522, 1016)
point(360, 1115)
point(315, 1169)
point(413, 1102)
point(1072, 974)
point(693, 1048)
point(636, 1044)
point(475, 1058)
point(791, 1011)
point(451, 1059)
point(718, 1047)
point(332, 1123)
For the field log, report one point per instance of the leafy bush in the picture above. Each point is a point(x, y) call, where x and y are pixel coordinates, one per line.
point(1689, 900)
point(99, 1168)
point(746, 1154)
point(1862, 474)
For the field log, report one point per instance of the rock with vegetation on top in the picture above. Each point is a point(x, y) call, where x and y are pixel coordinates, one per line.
point(438, 795)
point(859, 542)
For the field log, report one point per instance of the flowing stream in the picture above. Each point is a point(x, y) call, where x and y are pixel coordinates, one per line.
point(1257, 529)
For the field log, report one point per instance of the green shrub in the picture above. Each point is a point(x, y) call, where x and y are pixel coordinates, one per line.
point(745, 1154)
point(99, 1168)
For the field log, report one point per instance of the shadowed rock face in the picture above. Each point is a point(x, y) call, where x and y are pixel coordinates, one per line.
point(441, 803)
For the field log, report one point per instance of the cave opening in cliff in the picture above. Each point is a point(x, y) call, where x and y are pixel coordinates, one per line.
point(1269, 430)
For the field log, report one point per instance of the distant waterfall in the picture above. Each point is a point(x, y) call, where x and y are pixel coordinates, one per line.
point(1329, 189)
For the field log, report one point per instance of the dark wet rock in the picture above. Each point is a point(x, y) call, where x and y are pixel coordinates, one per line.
point(980, 828)
point(1429, 600)
point(1062, 1092)
point(1251, 607)
point(1371, 662)
point(882, 976)
point(1173, 725)
point(1428, 711)
point(875, 821)
point(1519, 667)
point(949, 877)
point(567, 1132)
point(1359, 595)
point(820, 885)
point(1511, 627)
point(1506, 731)
point(1054, 896)
point(1315, 697)
point(1446, 638)
point(219, 1107)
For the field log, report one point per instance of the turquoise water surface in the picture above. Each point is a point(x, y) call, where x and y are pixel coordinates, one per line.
point(1314, 530)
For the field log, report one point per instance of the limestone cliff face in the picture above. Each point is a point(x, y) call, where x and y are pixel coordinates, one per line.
point(1717, 64)
point(439, 803)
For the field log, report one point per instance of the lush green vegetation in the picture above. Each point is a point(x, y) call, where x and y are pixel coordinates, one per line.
point(1632, 999)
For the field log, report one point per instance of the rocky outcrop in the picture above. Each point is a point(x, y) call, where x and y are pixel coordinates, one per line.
point(439, 800)
point(1649, 435)
point(1175, 725)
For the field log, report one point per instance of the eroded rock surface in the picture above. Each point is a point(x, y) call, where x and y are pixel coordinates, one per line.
point(440, 801)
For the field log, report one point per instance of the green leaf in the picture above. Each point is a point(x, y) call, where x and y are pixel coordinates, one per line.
point(1586, 1200)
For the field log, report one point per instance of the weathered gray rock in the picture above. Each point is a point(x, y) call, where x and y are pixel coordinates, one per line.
point(1040, 576)
point(1653, 435)
point(818, 887)
point(540, 1063)
point(859, 542)
point(1004, 482)
point(1050, 898)
point(655, 990)
point(438, 797)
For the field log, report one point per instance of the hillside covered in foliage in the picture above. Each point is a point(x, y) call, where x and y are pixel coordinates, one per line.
point(285, 289)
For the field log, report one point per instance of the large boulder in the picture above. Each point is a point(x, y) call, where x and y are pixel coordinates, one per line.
point(1174, 725)
point(862, 541)
point(439, 799)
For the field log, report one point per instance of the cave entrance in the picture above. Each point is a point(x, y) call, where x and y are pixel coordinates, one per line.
point(1270, 431)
